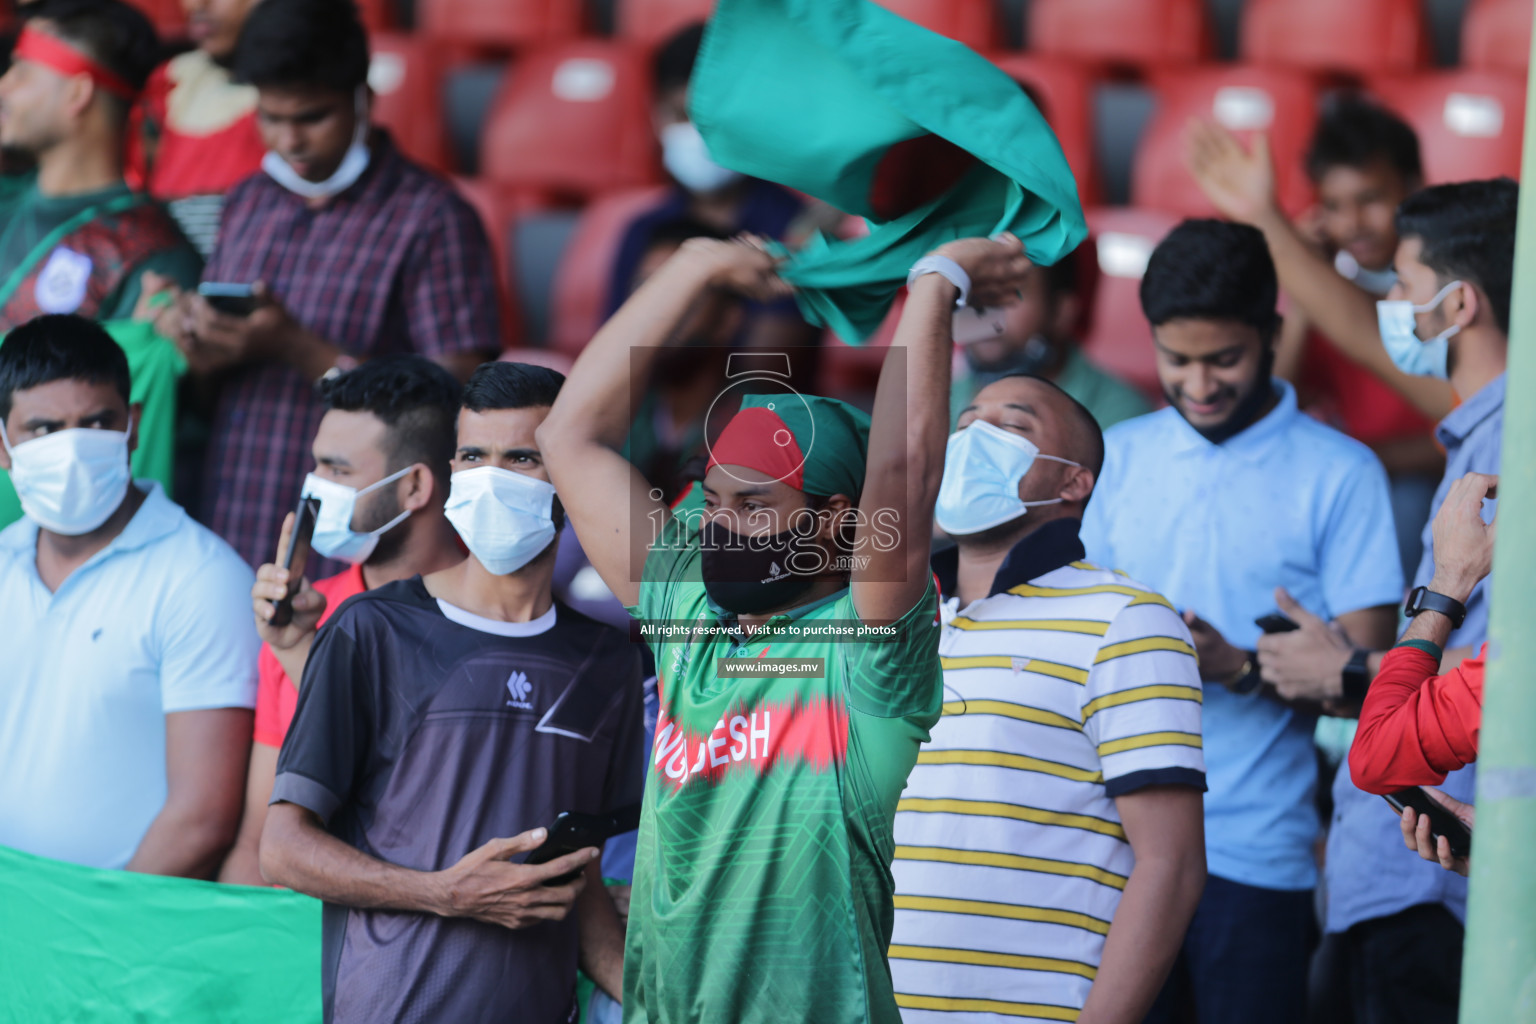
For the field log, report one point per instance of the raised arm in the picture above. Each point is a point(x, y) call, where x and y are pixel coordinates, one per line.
point(607, 499)
point(910, 426)
point(1241, 183)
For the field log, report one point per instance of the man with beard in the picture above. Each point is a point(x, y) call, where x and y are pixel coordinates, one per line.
point(382, 457)
point(762, 884)
point(1039, 337)
point(1216, 501)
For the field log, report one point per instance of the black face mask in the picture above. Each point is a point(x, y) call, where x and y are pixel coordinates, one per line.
point(752, 575)
point(1248, 409)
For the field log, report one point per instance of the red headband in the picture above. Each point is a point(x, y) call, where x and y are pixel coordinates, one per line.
point(41, 48)
point(756, 438)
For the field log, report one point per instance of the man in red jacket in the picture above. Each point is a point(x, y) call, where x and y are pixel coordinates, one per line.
point(1416, 726)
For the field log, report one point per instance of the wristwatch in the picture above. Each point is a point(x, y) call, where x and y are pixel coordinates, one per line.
point(947, 269)
point(1425, 600)
point(1357, 676)
point(1248, 678)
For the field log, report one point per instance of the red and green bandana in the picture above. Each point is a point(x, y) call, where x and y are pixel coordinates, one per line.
point(813, 444)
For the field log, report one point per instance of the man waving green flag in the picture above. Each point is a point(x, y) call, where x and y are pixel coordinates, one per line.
point(847, 102)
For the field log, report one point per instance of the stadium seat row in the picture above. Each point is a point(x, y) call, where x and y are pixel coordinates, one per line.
point(1357, 37)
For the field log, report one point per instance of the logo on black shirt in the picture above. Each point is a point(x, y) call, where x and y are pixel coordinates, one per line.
point(520, 689)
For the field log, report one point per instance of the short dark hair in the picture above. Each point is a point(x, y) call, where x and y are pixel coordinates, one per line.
point(417, 400)
point(60, 346)
point(1354, 132)
point(1087, 427)
point(672, 66)
point(1468, 232)
point(303, 43)
point(503, 385)
point(115, 35)
point(1212, 270)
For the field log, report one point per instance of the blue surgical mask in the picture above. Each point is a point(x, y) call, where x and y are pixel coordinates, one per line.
point(334, 536)
point(1413, 355)
point(983, 465)
point(506, 519)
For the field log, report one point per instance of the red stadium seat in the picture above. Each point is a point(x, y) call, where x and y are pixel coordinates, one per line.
point(495, 216)
point(1063, 90)
point(1496, 36)
point(406, 77)
point(1357, 37)
point(1281, 104)
point(972, 22)
point(582, 282)
point(1117, 337)
point(1470, 123)
point(653, 22)
point(1139, 32)
point(572, 120)
point(499, 24)
point(378, 15)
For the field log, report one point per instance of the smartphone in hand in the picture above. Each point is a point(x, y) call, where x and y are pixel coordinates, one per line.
point(1276, 623)
point(294, 558)
point(229, 299)
point(572, 831)
point(1441, 821)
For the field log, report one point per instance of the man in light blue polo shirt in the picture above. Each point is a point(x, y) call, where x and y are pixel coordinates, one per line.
point(1400, 918)
point(129, 665)
point(1215, 502)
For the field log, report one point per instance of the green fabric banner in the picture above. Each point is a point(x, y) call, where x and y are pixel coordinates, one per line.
point(84, 945)
point(847, 102)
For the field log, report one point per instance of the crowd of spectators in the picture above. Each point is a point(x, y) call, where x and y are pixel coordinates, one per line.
point(1099, 769)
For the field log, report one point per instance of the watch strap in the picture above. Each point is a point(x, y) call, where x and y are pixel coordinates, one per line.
point(946, 268)
point(1425, 600)
point(1357, 676)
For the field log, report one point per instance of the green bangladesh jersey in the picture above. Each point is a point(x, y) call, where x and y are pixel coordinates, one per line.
point(763, 888)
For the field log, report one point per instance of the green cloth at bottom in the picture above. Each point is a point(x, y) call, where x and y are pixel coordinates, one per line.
point(155, 367)
point(82, 944)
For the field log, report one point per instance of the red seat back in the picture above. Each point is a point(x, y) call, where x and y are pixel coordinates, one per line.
point(1064, 90)
point(653, 22)
point(495, 217)
point(572, 120)
point(1357, 37)
point(972, 22)
point(586, 268)
point(406, 77)
point(1496, 36)
point(378, 15)
point(1281, 104)
point(1470, 123)
point(1118, 337)
point(1140, 32)
point(499, 24)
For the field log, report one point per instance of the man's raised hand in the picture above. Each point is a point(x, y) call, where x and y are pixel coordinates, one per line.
point(1239, 181)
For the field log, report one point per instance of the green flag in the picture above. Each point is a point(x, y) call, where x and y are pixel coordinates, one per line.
point(851, 104)
point(81, 944)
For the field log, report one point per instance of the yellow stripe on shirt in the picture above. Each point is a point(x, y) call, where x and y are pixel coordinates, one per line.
point(1088, 627)
point(1150, 739)
point(1162, 691)
point(1044, 668)
point(1018, 812)
point(1137, 595)
point(1126, 648)
point(1039, 1011)
point(998, 759)
point(1021, 712)
point(1012, 911)
point(982, 958)
point(1013, 862)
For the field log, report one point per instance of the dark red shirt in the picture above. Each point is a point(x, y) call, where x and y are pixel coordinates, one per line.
point(397, 263)
point(1417, 727)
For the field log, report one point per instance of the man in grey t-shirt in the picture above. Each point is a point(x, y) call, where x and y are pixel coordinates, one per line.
point(439, 715)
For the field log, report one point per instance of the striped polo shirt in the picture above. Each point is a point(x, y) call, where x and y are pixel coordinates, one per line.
point(1067, 686)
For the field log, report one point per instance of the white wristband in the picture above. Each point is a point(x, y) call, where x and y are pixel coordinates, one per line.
point(945, 268)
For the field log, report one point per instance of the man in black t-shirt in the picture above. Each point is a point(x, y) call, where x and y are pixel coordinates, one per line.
point(440, 714)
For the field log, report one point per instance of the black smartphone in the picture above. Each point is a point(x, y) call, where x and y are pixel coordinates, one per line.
point(294, 558)
point(228, 298)
point(1441, 821)
point(572, 831)
point(1275, 623)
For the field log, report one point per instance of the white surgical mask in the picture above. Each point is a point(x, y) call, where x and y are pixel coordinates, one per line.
point(983, 465)
point(350, 169)
point(687, 159)
point(506, 519)
point(1400, 335)
point(71, 481)
point(334, 536)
